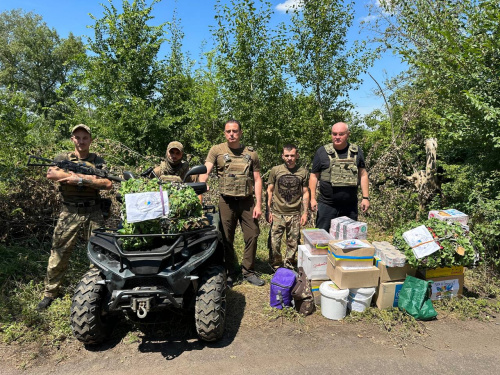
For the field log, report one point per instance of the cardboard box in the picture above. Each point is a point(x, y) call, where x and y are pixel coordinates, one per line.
point(351, 248)
point(387, 295)
point(441, 272)
point(314, 265)
point(393, 273)
point(359, 278)
point(316, 240)
point(450, 215)
point(346, 228)
point(447, 287)
point(351, 262)
point(315, 284)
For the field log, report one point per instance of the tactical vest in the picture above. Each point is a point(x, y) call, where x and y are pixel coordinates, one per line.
point(237, 179)
point(74, 193)
point(171, 174)
point(341, 172)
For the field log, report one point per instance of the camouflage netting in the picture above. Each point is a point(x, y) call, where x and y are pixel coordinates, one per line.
point(185, 212)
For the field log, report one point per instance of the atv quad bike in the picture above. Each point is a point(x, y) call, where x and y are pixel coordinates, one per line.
point(180, 271)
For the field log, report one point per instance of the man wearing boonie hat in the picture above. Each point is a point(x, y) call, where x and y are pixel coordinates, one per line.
point(81, 209)
point(173, 168)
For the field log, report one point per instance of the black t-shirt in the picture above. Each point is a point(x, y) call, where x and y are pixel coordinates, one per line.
point(338, 196)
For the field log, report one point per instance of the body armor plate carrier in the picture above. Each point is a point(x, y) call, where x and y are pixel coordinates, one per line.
point(73, 193)
point(341, 172)
point(237, 179)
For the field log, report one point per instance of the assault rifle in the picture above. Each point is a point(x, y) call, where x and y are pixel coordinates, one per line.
point(76, 167)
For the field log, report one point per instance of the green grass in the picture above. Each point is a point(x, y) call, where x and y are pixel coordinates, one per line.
point(23, 270)
point(22, 289)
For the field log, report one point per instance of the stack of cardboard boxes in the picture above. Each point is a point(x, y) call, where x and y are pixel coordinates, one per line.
point(313, 257)
point(350, 264)
point(345, 257)
point(393, 269)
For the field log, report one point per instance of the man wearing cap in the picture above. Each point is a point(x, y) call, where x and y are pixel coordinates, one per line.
point(81, 208)
point(173, 168)
point(238, 169)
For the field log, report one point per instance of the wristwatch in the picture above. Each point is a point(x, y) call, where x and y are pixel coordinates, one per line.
point(367, 198)
point(80, 181)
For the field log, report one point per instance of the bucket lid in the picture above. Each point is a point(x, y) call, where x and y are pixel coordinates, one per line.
point(330, 289)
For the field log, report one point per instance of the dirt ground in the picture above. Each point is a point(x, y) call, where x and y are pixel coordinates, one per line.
point(256, 343)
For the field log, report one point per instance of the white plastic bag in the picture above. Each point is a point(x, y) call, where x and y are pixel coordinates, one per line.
point(146, 206)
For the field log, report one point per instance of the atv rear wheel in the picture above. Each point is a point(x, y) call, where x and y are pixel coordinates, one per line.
point(210, 305)
point(88, 323)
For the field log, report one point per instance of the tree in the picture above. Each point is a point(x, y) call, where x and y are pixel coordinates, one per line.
point(35, 61)
point(320, 58)
point(250, 72)
point(122, 75)
point(453, 50)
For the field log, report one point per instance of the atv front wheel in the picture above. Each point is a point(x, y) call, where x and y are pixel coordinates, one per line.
point(210, 306)
point(88, 323)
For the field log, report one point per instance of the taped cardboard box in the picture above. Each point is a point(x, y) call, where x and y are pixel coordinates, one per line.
point(450, 215)
point(314, 265)
point(447, 287)
point(441, 272)
point(387, 294)
point(352, 248)
point(315, 284)
point(346, 228)
point(316, 240)
point(357, 278)
point(393, 273)
point(350, 262)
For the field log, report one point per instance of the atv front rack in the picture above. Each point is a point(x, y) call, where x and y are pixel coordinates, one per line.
point(105, 236)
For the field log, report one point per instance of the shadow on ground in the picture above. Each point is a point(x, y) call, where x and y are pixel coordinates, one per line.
point(173, 333)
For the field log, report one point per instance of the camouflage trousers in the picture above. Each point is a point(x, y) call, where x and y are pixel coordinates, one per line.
point(71, 221)
point(289, 224)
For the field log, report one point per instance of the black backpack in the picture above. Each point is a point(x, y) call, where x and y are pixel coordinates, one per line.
point(302, 294)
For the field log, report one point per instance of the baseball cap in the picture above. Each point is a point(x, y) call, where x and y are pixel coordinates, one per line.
point(81, 126)
point(175, 144)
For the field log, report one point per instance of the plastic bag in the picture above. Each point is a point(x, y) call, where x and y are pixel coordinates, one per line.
point(414, 298)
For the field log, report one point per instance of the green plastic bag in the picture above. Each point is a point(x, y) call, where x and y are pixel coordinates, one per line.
point(414, 298)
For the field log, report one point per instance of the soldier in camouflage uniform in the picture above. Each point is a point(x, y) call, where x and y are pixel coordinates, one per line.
point(339, 167)
point(287, 202)
point(81, 208)
point(173, 168)
point(238, 169)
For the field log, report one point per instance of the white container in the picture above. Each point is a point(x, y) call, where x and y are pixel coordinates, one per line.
point(333, 300)
point(342, 228)
point(317, 240)
point(360, 298)
point(314, 265)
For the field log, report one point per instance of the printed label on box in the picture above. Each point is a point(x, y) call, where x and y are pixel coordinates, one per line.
point(445, 288)
point(396, 295)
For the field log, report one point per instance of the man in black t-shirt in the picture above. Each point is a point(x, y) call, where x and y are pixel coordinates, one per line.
point(340, 168)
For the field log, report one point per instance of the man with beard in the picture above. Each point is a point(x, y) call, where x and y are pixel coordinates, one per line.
point(287, 189)
point(173, 168)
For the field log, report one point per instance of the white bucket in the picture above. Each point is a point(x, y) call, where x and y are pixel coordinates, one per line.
point(360, 298)
point(333, 301)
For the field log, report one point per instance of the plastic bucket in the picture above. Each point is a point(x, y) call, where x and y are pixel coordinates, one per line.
point(333, 300)
point(360, 298)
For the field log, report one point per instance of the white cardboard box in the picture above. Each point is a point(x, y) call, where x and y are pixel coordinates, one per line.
point(314, 265)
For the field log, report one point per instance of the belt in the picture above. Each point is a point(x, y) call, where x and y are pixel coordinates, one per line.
point(235, 198)
point(81, 204)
